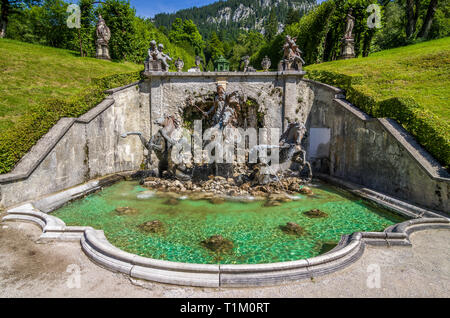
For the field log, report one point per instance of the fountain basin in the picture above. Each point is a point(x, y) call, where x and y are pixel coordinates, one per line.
point(254, 228)
point(97, 247)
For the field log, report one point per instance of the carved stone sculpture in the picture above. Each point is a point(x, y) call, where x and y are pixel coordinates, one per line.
point(348, 42)
point(179, 64)
point(103, 36)
point(266, 63)
point(246, 61)
point(350, 24)
point(292, 56)
point(157, 60)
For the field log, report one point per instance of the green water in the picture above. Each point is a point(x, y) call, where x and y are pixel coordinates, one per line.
point(253, 228)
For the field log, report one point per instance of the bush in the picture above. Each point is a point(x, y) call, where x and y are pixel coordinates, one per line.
point(432, 133)
point(16, 141)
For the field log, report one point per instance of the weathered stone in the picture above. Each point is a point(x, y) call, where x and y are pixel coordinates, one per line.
point(103, 36)
point(280, 197)
point(218, 244)
point(315, 213)
point(155, 226)
point(272, 203)
point(126, 211)
point(306, 190)
point(172, 201)
point(293, 229)
point(217, 200)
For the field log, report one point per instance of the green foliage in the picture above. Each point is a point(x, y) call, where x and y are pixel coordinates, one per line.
point(293, 16)
point(271, 27)
point(214, 48)
point(393, 34)
point(119, 17)
point(85, 38)
point(312, 30)
point(441, 22)
point(319, 33)
point(182, 32)
point(273, 49)
point(44, 24)
point(247, 44)
point(18, 140)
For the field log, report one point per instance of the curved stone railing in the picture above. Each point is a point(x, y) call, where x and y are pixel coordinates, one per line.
point(97, 248)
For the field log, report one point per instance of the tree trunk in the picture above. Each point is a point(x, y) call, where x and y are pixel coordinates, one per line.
point(428, 19)
point(412, 15)
point(81, 43)
point(3, 29)
point(4, 17)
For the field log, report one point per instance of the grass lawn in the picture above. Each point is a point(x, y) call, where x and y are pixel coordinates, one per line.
point(31, 73)
point(420, 71)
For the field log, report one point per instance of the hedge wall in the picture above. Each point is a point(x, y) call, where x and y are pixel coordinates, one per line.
point(431, 132)
point(16, 141)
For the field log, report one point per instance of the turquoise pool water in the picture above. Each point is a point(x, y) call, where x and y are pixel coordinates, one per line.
point(253, 227)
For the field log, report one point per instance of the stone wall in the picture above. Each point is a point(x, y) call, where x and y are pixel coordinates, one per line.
point(170, 90)
point(375, 153)
point(343, 141)
point(77, 150)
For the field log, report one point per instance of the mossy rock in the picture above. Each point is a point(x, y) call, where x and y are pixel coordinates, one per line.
point(279, 198)
point(270, 203)
point(292, 228)
point(306, 190)
point(172, 201)
point(325, 247)
point(155, 226)
point(315, 214)
point(126, 211)
point(218, 244)
point(217, 200)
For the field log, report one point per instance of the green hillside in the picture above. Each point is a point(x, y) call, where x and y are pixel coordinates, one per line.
point(410, 84)
point(420, 71)
point(30, 74)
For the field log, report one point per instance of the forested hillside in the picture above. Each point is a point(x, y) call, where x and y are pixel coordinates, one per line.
point(229, 18)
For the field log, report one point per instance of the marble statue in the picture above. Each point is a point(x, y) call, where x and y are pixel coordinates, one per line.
point(348, 42)
point(266, 63)
point(350, 24)
point(179, 64)
point(157, 60)
point(103, 36)
point(292, 56)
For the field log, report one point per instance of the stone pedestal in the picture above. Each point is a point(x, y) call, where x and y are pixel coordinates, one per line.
point(153, 66)
point(102, 52)
point(347, 49)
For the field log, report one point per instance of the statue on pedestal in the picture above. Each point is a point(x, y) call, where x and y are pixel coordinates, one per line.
point(348, 42)
point(179, 64)
point(292, 56)
point(103, 36)
point(157, 60)
point(266, 63)
point(247, 67)
point(350, 24)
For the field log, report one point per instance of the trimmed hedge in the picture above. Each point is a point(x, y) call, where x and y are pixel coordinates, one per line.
point(431, 132)
point(16, 141)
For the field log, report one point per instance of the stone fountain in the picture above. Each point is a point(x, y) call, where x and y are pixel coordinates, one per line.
point(220, 135)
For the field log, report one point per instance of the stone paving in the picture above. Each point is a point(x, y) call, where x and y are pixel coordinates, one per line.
point(28, 269)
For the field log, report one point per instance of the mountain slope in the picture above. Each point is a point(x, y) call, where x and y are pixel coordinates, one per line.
point(231, 16)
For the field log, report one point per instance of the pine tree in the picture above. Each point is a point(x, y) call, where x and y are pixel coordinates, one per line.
point(293, 16)
point(271, 27)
